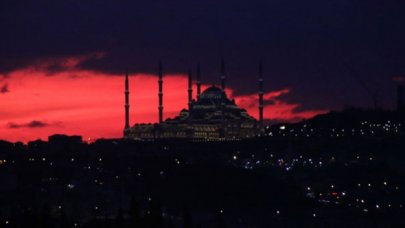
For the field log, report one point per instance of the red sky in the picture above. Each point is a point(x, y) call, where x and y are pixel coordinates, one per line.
point(35, 103)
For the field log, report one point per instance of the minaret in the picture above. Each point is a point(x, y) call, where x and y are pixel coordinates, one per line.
point(198, 81)
point(190, 95)
point(261, 96)
point(223, 101)
point(223, 74)
point(190, 90)
point(126, 102)
point(160, 94)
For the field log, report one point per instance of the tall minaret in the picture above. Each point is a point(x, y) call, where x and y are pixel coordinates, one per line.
point(198, 81)
point(190, 95)
point(223, 74)
point(126, 102)
point(160, 94)
point(223, 101)
point(190, 89)
point(261, 96)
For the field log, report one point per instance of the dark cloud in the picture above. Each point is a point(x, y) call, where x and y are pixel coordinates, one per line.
point(269, 102)
point(303, 44)
point(4, 88)
point(32, 124)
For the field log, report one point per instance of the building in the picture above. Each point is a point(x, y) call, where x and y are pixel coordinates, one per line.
point(210, 116)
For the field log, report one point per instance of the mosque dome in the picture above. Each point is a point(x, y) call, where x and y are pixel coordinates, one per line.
point(213, 97)
point(213, 93)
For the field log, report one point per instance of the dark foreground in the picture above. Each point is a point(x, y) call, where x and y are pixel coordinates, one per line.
point(266, 182)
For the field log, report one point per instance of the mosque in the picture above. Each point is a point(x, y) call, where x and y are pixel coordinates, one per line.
point(211, 116)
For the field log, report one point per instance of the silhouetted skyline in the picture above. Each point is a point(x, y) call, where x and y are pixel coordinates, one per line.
point(304, 47)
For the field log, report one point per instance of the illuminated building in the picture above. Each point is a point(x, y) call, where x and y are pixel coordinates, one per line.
point(211, 116)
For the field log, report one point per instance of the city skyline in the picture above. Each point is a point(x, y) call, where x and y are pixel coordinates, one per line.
point(31, 121)
point(318, 56)
point(192, 114)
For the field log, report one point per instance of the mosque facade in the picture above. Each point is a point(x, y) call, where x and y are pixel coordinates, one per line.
point(210, 116)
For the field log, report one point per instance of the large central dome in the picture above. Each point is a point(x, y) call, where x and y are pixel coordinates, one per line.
point(214, 93)
point(213, 97)
point(213, 104)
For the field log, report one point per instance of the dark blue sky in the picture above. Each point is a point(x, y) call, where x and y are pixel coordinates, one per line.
point(304, 44)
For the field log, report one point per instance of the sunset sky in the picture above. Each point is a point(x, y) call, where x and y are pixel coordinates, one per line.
point(62, 63)
point(91, 103)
